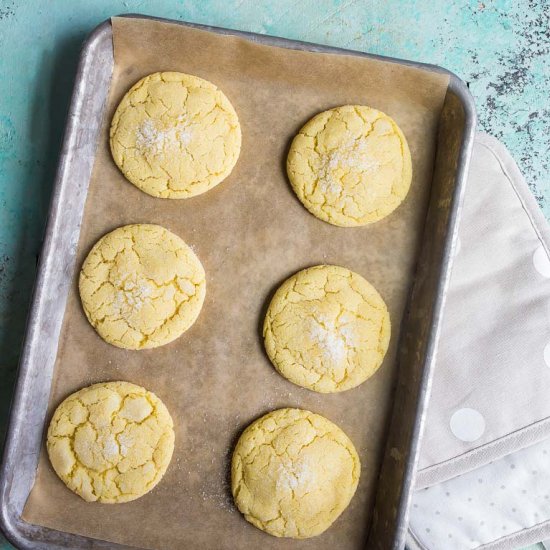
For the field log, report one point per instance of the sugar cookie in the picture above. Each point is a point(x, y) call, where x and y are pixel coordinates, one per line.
point(141, 286)
point(350, 165)
point(327, 329)
point(175, 136)
point(293, 473)
point(111, 442)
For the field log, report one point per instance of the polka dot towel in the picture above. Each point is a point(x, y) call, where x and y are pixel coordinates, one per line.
point(484, 469)
point(497, 502)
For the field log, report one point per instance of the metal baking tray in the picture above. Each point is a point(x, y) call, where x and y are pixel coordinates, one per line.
point(420, 329)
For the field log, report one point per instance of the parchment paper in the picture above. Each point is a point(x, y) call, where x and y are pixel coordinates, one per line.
point(250, 232)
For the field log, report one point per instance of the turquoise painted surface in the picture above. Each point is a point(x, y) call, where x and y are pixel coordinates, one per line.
point(501, 48)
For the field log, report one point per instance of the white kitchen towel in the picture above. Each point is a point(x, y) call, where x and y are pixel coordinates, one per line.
point(492, 377)
point(484, 468)
point(504, 505)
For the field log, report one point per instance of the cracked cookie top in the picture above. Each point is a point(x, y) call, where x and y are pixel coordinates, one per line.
point(141, 286)
point(111, 442)
point(327, 329)
point(293, 473)
point(175, 135)
point(350, 165)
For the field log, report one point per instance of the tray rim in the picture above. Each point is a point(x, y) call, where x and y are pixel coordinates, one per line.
point(8, 521)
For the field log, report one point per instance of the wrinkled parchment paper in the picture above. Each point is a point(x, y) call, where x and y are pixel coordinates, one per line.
point(250, 232)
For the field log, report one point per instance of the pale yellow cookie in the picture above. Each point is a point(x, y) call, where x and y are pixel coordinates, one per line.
point(350, 165)
point(141, 286)
point(327, 329)
point(175, 135)
point(293, 473)
point(111, 442)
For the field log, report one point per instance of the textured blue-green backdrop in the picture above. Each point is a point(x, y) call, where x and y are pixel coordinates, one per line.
point(501, 48)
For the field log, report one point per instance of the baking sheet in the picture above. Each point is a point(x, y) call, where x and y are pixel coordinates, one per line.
point(250, 232)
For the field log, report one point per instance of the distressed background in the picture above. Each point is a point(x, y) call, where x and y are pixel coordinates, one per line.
point(501, 48)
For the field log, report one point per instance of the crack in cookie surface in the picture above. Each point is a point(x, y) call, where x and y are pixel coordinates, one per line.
point(293, 473)
point(350, 165)
point(111, 442)
point(327, 329)
point(175, 135)
point(141, 286)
